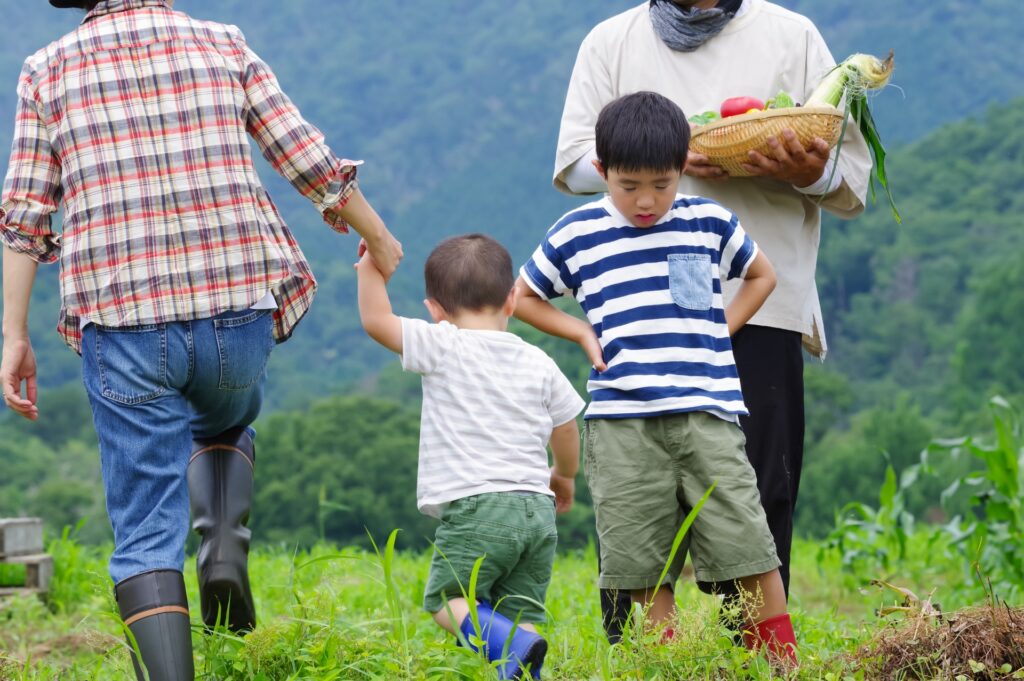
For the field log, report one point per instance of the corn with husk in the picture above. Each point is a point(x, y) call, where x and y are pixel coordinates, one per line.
point(845, 87)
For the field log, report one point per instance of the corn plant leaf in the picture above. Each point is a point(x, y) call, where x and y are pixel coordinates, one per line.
point(862, 114)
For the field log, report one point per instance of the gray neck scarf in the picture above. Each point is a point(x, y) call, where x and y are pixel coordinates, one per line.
point(684, 29)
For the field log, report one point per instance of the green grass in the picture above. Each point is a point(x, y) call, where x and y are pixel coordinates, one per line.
point(350, 614)
point(12, 575)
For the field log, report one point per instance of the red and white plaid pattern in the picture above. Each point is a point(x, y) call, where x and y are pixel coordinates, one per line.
point(138, 121)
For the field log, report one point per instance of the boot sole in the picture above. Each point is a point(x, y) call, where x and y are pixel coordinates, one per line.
point(224, 598)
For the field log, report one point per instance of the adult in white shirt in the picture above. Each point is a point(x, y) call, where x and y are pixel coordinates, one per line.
point(699, 53)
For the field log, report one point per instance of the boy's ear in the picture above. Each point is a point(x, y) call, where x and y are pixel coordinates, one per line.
point(437, 313)
point(509, 308)
point(600, 169)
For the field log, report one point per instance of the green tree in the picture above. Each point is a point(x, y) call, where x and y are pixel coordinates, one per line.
point(849, 465)
point(348, 465)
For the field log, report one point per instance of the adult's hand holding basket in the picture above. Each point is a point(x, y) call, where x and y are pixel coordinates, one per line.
point(727, 142)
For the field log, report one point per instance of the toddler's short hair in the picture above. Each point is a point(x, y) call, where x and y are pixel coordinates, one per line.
point(469, 272)
point(642, 131)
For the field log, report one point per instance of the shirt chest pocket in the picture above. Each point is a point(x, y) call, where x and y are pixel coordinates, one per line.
point(690, 280)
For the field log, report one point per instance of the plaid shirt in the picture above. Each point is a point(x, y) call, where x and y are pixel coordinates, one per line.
point(138, 121)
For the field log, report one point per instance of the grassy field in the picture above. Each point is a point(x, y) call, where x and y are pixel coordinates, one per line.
point(351, 614)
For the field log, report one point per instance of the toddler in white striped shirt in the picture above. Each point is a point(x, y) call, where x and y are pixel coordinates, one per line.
point(491, 405)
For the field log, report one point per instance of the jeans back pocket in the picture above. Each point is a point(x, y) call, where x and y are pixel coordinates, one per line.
point(690, 281)
point(244, 343)
point(132, 362)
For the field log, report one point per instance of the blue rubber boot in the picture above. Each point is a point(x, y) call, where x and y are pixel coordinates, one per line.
point(526, 649)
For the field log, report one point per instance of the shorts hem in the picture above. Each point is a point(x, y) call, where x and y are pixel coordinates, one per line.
point(633, 582)
point(735, 572)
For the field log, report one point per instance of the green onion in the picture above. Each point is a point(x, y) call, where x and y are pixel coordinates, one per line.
point(847, 84)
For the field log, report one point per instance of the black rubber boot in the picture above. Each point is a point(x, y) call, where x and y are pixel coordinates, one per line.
point(220, 491)
point(616, 606)
point(154, 607)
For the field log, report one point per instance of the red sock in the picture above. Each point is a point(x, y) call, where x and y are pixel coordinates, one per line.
point(775, 633)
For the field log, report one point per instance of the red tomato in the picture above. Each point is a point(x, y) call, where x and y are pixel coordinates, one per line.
point(734, 106)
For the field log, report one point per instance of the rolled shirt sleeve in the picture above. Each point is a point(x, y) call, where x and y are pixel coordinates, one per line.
point(32, 188)
point(738, 251)
point(294, 148)
point(590, 88)
point(845, 198)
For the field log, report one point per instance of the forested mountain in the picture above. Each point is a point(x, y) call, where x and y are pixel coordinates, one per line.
point(455, 106)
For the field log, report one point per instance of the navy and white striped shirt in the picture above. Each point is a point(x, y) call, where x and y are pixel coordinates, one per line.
point(654, 298)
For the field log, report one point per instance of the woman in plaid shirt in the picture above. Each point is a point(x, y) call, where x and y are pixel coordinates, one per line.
point(177, 278)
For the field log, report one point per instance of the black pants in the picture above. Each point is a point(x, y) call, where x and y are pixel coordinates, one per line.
point(771, 368)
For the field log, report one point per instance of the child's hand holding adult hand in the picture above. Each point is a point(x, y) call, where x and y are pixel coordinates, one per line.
point(363, 258)
point(366, 259)
point(386, 252)
point(564, 488)
point(383, 246)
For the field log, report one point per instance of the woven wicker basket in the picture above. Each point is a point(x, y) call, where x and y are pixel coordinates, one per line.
point(726, 142)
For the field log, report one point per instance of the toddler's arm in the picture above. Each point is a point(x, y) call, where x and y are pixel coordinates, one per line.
point(757, 285)
point(565, 446)
point(379, 322)
point(544, 316)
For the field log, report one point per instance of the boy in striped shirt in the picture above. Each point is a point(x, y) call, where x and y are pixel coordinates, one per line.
point(491, 404)
point(646, 265)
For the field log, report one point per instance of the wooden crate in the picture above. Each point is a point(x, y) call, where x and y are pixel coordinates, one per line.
point(38, 573)
point(21, 543)
point(20, 537)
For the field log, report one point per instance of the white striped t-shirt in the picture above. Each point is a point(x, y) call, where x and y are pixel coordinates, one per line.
point(654, 298)
point(490, 401)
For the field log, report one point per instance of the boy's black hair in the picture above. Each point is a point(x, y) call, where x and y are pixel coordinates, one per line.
point(642, 131)
point(469, 272)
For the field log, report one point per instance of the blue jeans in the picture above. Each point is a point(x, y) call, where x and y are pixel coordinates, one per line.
point(153, 389)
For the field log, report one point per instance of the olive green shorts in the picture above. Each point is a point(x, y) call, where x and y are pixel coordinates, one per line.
point(515, 532)
point(646, 474)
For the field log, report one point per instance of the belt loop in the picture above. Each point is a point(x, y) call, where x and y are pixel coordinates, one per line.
point(471, 504)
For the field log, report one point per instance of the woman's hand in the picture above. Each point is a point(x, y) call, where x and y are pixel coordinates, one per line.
point(19, 364)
